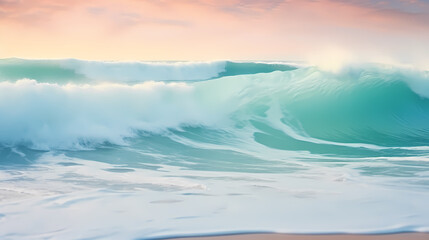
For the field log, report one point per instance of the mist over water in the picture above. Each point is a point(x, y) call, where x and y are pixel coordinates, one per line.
point(182, 148)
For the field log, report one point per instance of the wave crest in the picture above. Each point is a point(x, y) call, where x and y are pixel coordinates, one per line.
point(372, 105)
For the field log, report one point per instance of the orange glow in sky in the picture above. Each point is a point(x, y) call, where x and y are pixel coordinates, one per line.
point(395, 30)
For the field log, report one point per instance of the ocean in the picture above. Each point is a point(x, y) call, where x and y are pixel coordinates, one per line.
point(150, 150)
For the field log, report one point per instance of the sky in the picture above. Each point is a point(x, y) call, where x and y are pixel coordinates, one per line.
point(370, 30)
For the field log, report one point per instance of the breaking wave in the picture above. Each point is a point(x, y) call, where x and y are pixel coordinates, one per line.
point(293, 109)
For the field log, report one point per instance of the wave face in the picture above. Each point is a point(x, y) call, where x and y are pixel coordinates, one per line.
point(370, 106)
point(224, 133)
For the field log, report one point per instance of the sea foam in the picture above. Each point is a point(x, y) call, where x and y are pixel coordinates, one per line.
point(43, 115)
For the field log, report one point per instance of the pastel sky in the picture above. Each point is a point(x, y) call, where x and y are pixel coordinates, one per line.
point(376, 30)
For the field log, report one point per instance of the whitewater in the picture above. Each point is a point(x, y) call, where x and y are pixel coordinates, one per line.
point(151, 150)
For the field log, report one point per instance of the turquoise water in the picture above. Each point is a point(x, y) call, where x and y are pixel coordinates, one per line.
point(156, 149)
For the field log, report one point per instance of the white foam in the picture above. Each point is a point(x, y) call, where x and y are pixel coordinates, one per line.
point(45, 116)
point(89, 201)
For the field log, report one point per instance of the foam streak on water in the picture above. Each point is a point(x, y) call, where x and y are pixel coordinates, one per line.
point(147, 150)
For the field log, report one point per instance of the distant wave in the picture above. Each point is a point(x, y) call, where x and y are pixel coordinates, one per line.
point(79, 71)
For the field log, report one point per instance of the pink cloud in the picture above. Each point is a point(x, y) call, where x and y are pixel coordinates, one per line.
point(215, 29)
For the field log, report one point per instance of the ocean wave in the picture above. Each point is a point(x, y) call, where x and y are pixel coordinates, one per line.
point(80, 71)
point(145, 71)
point(304, 109)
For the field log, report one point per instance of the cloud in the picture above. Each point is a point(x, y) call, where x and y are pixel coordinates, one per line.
point(132, 18)
point(247, 6)
point(113, 12)
point(28, 11)
point(207, 29)
point(406, 6)
point(96, 10)
point(177, 13)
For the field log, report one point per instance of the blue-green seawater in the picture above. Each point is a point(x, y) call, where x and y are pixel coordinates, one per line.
point(130, 150)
